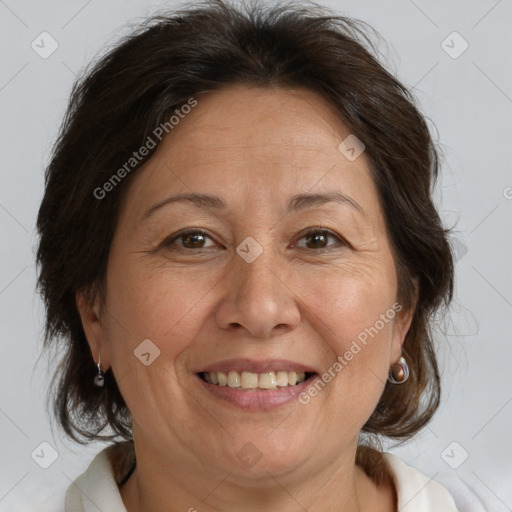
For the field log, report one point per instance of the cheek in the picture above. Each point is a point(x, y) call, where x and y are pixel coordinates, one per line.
point(160, 306)
point(347, 305)
point(357, 325)
point(354, 316)
point(164, 306)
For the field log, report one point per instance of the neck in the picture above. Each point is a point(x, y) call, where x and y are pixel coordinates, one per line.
point(177, 482)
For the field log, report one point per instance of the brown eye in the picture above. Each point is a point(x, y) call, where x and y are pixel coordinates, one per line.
point(192, 239)
point(319, 239)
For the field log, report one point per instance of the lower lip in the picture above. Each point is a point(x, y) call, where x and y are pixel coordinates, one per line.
point(256, 400)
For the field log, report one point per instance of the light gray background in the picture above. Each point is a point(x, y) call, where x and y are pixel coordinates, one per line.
point(469, 99)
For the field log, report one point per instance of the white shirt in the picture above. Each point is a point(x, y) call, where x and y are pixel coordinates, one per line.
point(97, 488)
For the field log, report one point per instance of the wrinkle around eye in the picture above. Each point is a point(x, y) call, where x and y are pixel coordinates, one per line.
point(369, 245)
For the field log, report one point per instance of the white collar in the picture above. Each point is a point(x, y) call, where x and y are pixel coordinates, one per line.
point(416, 492)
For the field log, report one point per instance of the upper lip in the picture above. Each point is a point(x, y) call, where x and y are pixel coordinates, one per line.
point(251, 365)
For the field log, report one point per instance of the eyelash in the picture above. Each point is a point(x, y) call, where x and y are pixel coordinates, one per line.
point(309, 231)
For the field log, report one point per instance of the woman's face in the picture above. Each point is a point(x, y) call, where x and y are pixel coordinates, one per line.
point(249, 289)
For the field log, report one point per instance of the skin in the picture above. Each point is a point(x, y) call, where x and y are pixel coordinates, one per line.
point(301, 299)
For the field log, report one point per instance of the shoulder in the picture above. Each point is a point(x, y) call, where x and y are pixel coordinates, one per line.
point(417, 492)
point(97, 488)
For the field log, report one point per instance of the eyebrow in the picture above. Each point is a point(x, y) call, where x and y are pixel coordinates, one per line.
point(296, 203)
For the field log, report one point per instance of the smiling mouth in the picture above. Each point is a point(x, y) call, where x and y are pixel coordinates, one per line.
point(250, 381)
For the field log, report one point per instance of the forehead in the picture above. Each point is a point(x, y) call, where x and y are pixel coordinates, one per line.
point(263, 123)
point(256, 142)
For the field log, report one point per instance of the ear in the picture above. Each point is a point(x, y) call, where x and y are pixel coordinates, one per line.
point(90, 314)
point(402, 324)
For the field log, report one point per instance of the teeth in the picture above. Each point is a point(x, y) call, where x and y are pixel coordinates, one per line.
point(293, 377)
point(267, 380)
point(282, 379)
point(233, 379)
point(222, 377)
point(250, 380)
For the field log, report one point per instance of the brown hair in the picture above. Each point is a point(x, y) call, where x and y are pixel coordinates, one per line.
point(139, 83)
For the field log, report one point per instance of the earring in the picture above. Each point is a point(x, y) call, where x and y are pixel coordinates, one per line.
point(98, 379)
point(399, 372)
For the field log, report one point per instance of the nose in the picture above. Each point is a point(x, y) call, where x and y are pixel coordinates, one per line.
point(258, 298)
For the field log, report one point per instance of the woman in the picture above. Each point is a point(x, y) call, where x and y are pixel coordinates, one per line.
point(240, 252)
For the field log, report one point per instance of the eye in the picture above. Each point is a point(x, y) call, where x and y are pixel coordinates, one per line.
point(317, 238)
point(189, 239)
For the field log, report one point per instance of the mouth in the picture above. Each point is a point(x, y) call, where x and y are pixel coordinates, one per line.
point(254, 385)
point(253, 381)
